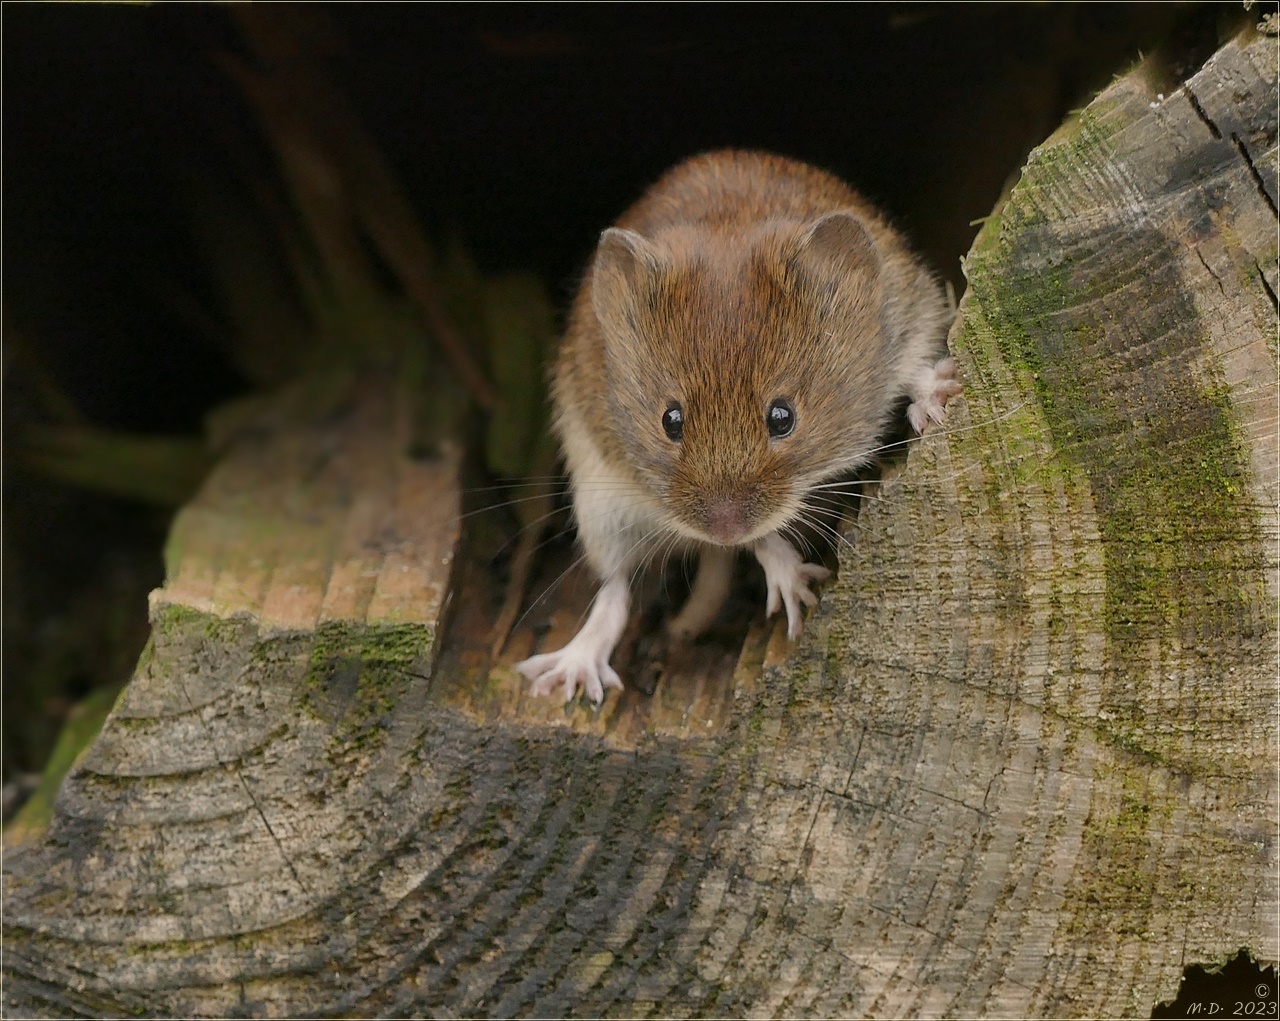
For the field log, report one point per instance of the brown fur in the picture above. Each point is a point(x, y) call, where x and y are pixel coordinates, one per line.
point(725, 296)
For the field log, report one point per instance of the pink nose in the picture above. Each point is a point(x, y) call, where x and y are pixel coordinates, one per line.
point(725, 521)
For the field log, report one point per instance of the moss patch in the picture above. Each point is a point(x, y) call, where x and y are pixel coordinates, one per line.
point(1092, 315)
point(173, 624)
point(356, 674)
point(1126, 886)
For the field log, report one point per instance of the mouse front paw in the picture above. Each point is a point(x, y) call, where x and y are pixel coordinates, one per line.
point(788, 578)
point(583, 664)
point(933, 388)
point(571, 671)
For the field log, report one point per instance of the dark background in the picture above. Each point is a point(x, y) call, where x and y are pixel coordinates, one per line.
point(522, 129)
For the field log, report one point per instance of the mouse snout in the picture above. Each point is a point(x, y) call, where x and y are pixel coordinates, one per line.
point(726, 519)
point(725, 511)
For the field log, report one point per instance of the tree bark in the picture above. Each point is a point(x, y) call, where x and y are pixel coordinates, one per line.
point(1022, 762)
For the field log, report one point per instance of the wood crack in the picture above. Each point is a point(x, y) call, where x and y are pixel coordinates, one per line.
point(1266, 286)
point(955, 801)
point(1239, 146)
point(234, 766)
point(1199, 110)
point(1209, 269)
point(1253, 172)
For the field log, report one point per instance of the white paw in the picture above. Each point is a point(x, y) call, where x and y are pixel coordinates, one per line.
point(583, 664)
point(930, 393)
point(788, 579)
point(571, 671)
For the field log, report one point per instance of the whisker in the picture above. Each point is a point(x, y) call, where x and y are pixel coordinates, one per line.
point(855, 524)
point(668, 548)
point(824, 528)
point(547, 591)
point(529, 480)
point(645, 559)
point(846, 482)
point(837, 489)
point(467, 515)
point(798, 538)
point(861, 458)
point(640, 561)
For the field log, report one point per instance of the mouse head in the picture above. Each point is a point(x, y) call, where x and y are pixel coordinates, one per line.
point(743, 368)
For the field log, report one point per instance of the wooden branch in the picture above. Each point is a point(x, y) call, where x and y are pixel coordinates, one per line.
point(1021, 764)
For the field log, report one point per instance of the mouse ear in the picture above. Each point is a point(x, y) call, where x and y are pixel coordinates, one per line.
point(624, 261)
point(837, 241)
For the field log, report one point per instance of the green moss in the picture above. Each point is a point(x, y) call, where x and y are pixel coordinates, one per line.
point(386, 644)
point(172, 617)
point(356, 674)
point(353, 675)
point(1119, 888)
point(1130, 411)
point(174, 626)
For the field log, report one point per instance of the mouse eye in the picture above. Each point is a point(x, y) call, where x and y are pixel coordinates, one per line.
point(780, 418)
point(673, 422)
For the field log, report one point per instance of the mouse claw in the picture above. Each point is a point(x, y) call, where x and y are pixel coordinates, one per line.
point(799, 592)
point(935, 386)
point(571, 673)
point(596, 684)
point(788, 578)
point(583, 664)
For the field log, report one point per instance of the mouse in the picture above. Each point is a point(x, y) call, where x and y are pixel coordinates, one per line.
point(744, 335)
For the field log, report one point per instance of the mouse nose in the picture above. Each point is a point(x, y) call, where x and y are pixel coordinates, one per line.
point(726, 520)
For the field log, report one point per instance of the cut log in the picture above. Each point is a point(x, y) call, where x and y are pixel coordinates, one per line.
point(305, 588)
point(1022, 763)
